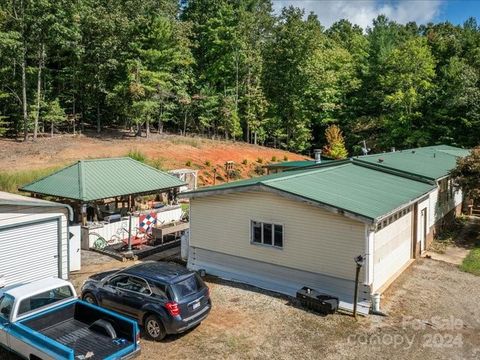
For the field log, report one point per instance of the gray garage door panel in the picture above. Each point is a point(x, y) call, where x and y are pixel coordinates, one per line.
point(29, 252)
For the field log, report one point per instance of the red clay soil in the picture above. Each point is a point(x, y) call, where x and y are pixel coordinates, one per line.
point(164, 151)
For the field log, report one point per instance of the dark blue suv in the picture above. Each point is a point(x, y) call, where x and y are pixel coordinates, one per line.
point(165, 298)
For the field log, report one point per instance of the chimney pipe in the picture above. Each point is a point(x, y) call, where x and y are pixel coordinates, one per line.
point(318, 156)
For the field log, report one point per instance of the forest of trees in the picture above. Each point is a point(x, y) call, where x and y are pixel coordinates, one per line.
point(236, 70)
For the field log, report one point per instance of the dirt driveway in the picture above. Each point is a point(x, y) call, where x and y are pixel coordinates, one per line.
point(433, 314)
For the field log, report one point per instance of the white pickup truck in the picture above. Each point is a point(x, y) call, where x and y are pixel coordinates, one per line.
point(44, 320)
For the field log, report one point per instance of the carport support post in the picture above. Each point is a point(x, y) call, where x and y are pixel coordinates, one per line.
point(129, 232)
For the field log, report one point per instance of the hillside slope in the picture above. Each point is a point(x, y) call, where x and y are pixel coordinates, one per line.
point(162, 151)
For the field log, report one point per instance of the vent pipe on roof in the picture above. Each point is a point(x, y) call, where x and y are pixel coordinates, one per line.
point(318, 155)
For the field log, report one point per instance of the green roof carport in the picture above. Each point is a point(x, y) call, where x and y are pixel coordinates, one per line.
point(89, 180)
point(344, 185)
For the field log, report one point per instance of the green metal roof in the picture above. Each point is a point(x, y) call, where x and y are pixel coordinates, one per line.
point(431, 162)
point(96, 179)
point(344, 185)
point(296, 164)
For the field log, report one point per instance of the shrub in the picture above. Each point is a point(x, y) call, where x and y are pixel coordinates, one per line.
point(157, 163)
point(274, 158)
point(245, 162)
point(188, 163)
point(260, 160)
point(235, 174)
point(137, 155)
point(208, 163)
point(285, 158)
point(259, 170)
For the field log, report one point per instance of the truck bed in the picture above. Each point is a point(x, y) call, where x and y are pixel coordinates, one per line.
point(77, 336)
point(70, 327)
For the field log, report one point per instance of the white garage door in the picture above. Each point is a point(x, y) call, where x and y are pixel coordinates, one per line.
point(29, 252)
point(393, 249)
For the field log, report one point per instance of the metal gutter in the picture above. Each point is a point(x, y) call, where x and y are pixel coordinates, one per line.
point(39, 204)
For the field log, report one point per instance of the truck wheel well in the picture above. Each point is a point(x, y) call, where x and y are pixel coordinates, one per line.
point(34, 357)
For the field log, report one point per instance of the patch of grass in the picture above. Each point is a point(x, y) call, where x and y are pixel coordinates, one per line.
point(158, 163)
point(471, 263)
point(187, 141)
point(137, 155)
point(11, 181)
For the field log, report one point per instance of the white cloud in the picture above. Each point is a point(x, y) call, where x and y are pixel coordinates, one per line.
point(362, 12)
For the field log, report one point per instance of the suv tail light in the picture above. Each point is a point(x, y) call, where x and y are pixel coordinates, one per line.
point(173, 308)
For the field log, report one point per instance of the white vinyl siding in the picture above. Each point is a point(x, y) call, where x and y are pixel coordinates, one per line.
point(392, 249)
point(25, 240)
point(314, 239)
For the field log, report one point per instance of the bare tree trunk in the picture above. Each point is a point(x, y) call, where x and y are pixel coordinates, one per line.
point(139, 130)
point(51, 129)
point(99, 122)
point(24, 95)
point(185, 124)
point(39, 89)
point(147, 128)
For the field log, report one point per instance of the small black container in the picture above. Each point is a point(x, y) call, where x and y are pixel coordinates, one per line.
point(322, 303)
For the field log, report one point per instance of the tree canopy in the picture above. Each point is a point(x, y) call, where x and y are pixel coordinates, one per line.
point(236, 70)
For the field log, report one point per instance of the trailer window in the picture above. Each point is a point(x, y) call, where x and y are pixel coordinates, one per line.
point(44, 299)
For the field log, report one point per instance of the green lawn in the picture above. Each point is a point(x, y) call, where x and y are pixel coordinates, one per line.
point(471, 263)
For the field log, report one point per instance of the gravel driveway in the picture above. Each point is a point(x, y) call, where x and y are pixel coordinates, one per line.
point(433, 314)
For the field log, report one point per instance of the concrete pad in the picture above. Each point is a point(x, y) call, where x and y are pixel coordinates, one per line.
point(453, 255)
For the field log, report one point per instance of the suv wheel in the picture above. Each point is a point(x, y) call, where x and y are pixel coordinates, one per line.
point(154, 328)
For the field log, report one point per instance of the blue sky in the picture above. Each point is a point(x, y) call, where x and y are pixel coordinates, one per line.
point(362, 12)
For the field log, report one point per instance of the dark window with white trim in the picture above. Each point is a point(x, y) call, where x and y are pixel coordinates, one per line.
point(266, 233)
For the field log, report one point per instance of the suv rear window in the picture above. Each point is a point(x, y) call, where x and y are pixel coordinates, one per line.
point(44, 299)
point(188, 286)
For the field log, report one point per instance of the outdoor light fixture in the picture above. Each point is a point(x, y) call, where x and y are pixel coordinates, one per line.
point(360, 261)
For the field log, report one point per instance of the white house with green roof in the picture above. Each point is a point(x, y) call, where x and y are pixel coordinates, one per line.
point(304, 227)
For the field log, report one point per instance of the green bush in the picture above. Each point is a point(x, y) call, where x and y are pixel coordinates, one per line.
point(157, 163)
point(188, 163)
point(208, 163)
point(274, 158)
point(260, 160)
point(137, 155)
point(259, 170)
point(245, 162)
point(285, 158)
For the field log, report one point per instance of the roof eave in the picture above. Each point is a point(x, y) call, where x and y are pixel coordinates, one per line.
point(289, 195)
